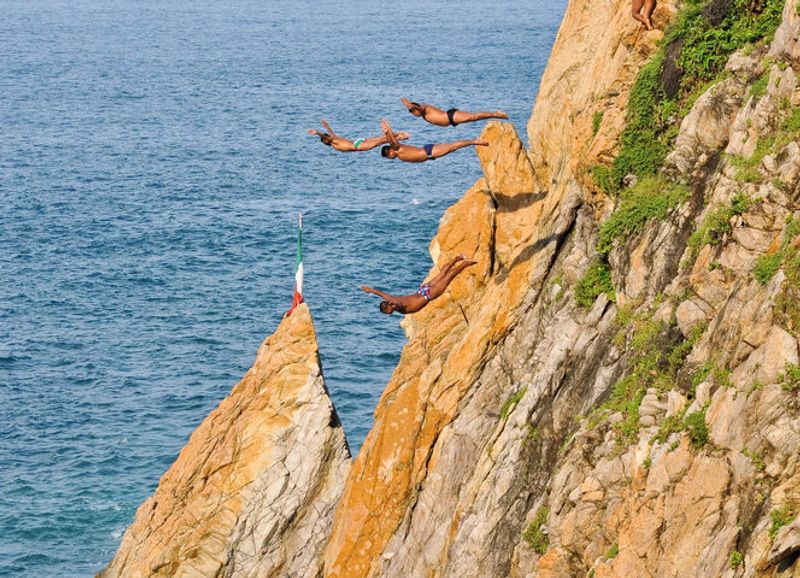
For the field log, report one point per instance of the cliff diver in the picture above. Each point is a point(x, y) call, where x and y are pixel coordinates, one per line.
point(344, 145)
point(429, 152)
point(426, 293)
point(451, 117)
point(642, 10)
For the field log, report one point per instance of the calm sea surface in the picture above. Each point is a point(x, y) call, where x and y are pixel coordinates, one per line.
point(153, 156)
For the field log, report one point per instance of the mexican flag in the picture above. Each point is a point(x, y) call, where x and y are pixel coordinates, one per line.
point(298, 272)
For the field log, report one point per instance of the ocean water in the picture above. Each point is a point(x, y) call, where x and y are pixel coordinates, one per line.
point(153, 156)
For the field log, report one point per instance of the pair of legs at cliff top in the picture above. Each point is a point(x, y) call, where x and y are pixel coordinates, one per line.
point(429, 152)
point(344, 145)
point(426, 293)
point(450, 117)
point(642, 10)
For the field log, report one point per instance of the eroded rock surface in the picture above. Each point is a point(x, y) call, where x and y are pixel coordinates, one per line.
point(653, 433)
point(253, 491)
point(493, 453)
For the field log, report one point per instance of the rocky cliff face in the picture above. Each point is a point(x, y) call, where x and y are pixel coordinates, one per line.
point(652, 431)
point(419, 501)
point(252, 493)
point(613, 391)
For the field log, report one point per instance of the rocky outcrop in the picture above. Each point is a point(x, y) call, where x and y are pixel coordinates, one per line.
point(522, 435)
point(512, 230)
point(651, 432)
point(406, 510)
point(597, 54)
point(253, 491)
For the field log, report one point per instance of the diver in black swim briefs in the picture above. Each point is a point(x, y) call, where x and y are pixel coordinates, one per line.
point(451, 117)
point(412, 154)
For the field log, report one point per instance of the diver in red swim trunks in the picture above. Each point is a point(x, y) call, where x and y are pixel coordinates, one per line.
point(429, 152)
point(451, 117)
point(426, 293)
point(345, 145)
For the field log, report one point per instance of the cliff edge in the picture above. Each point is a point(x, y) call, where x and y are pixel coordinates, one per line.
point(613, 390)
point(252, 493)
point(406, 510)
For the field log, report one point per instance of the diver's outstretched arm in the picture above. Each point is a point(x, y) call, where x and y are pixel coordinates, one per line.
point(379, 293)
point(411, 105)
point(328, 128)
point(371, 143)
point(387, 130)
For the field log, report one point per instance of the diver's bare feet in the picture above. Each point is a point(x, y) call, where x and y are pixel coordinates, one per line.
point(648, 24)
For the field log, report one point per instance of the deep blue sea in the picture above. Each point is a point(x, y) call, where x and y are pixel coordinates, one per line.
point(153, 156)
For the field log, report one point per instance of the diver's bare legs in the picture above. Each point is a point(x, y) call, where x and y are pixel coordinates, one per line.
point(647, 12)
point(456, 271)
point(440, 285)
point(460, 117)
point(439, 150)
point(636, 9)
point(446, 269)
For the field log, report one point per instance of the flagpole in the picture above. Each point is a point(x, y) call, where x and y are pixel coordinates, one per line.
point(298, 273)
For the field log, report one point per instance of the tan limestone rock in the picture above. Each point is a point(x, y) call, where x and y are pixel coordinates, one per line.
point(595, 59)
point(726, 418)
point(497, 223)
point(688, 315)
point(787, 543)
point(252, 492)
point(707, 282)
point(705, 129)
point(786, 43)
point(767, 362)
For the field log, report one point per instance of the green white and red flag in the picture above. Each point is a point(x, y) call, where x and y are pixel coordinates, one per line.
point(298, 272)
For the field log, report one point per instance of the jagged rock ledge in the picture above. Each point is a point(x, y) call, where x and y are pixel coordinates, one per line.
point(253, 491)
point(477, 466)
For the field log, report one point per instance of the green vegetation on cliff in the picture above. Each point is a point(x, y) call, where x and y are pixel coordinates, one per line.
point(690, 58)
point(651, 198)
point(595, 281)
point(535, 534)
point(788, 256)
point(658, 352)
point(735, 559)
point(787, 304)
point(780, 517)
point(512, 402)
point(717, 223)
point(747, 168)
